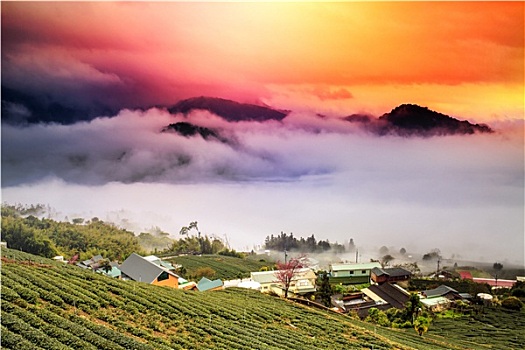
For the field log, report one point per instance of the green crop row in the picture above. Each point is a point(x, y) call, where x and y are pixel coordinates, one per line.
point(75, 307)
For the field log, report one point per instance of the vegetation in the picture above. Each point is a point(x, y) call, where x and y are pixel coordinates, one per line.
point(512, 303)
point(46, 237)
point(91, 311)
point(309, 245)
point(462, 286)
point(486, 327)
point(324, 290)
point(286, 271)
point(225, 267)
point(50, 305)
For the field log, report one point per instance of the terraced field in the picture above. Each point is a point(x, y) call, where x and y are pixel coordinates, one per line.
point(47, 305)
point(226, 267)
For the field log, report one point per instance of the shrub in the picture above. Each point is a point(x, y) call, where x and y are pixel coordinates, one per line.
point(512, 303)
point(207, 272)
point(519, 293)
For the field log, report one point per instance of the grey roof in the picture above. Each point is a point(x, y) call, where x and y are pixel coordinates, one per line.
point(390, 294)
point(92, 261)
point(439, 291)
point(158, 261)
point(142, 270)
point(392, 272)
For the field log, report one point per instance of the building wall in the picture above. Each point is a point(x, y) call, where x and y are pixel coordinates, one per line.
point(172, 281)
point(352, 273)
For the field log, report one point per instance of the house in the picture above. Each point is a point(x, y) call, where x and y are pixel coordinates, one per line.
point(435, 304)
point(206, 284)
point(114, 272)
point(302, 283)
point(311, 263)
point(158, 261)
point(137, 268)
point(395, 274)
point(352, 273)
point(90, 263)
point(441, 291)
point(387, 293)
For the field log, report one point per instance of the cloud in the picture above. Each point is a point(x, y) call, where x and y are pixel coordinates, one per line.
point(306, 174)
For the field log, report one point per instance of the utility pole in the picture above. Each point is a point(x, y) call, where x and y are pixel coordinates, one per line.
point(285, 255)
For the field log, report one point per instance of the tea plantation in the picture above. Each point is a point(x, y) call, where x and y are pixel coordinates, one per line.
point(48, 305)
point(225, 267)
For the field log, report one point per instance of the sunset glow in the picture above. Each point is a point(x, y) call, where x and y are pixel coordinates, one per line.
point(395, 120)
point(465, 56)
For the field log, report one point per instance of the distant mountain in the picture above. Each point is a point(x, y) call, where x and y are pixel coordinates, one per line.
point(229, 110)
point(188, 129)
point(414, 120)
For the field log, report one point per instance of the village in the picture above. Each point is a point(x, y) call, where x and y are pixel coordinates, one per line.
point(354, 287)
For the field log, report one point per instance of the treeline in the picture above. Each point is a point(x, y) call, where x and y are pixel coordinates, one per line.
point(197, 245)
point(309, 245)
point(48, 238)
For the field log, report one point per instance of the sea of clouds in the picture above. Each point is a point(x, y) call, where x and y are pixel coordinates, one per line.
point(306, 175)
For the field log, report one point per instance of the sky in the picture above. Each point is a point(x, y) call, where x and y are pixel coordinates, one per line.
point(85, 86)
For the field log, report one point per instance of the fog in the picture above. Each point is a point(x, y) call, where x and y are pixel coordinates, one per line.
point(306, 175)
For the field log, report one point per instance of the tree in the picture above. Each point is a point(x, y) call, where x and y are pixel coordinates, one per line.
point(433, 254)
point(421, 325)
point(186, 229)
point(325, 290)
point(377, 316)
point(351, 245)
point(402, 251)
point(286, 272)
point(385, 260)
point(497, 267)
point(412, 307)
point(105, 265)
point(383, 250)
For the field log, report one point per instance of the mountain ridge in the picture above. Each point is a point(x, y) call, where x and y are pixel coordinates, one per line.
point(229, 110)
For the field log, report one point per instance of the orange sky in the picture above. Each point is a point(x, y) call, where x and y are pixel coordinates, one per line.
point(461, 58)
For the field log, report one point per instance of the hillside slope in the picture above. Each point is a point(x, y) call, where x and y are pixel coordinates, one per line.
point(46, 305)
point(225, 267)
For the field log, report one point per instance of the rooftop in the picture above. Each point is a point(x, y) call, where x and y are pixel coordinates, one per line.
point(142, 270)
point(271, 277)
point(356, 266)
point(392, 272)
point(206, 284)
point(439, 291)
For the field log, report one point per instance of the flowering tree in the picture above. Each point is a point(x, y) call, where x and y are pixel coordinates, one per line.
point(287, 271)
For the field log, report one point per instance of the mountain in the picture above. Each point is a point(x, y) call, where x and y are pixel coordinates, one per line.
point(188, 130)
point(411, 119)
point(229, 110)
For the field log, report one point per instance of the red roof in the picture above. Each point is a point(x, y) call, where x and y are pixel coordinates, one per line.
point(465, 275)
point(495, 283)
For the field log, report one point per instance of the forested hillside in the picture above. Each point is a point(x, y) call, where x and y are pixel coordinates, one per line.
point(47, 305)
point(48, 238)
